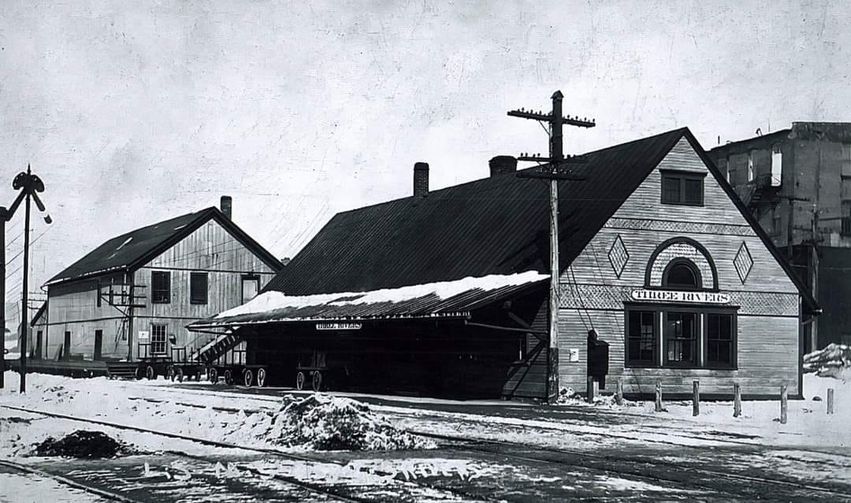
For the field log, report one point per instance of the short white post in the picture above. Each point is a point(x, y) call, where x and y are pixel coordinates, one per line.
point(784, 404)
point(695, 407)
point(658, 396)
point(830, 400)
point(589, 390)
point(619, 392)
point(737, 400)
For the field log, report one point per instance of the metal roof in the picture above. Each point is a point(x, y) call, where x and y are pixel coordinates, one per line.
point(496, 225)
point(453, 299)
point(139, 246)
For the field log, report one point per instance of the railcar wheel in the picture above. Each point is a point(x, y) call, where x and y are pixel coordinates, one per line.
point(247, 377)
point(299, 381)
point(138, 373)
point(213, 374)
point(198, 375)
point(150, 373)
point(261, 377)
point(170, 373)
point(229, 377)
point(317, 381)
point(179, 374)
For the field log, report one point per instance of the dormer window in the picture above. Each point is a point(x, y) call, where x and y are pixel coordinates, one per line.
point(682, 188)
point(682, 274)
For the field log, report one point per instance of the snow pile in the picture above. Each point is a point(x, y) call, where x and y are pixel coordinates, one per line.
point(322, 422)
point(82, 444)
point(830, 361)
point(568, 396)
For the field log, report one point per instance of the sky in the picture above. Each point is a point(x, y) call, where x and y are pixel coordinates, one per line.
point(135, 112)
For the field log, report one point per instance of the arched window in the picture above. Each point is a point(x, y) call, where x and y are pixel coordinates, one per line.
point(682, 274)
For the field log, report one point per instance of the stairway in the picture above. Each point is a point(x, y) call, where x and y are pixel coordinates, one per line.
point(218, 347)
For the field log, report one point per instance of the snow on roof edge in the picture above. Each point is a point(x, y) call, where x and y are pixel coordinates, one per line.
point(274, 300)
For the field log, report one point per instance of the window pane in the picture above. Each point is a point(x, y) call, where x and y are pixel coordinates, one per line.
point(693, 191)
point(719, 340)
point(681, 276)
point(641, 339)
point(680, 338)
point(250, 288)
point(160, 287)
point(198, 288)
point(670, 189)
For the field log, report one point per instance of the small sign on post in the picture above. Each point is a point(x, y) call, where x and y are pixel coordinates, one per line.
point(784, 404)
point(695, 408)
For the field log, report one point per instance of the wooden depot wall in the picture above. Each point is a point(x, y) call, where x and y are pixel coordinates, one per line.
point(73, 306)
point(592, 293)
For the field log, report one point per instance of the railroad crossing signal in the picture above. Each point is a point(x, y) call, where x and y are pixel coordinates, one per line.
point(554, 167)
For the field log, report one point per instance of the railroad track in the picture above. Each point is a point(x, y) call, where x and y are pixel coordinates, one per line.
point(66, 481)
point(753, 487)
point(324, 490)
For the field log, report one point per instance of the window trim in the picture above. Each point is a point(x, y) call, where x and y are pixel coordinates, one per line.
point(167, 298)
point(192, 299)
point(701, 344)
point(682, 176)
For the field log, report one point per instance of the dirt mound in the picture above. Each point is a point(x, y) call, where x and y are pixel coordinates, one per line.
point(830, 361)
point(82, 444)
point(323, 422)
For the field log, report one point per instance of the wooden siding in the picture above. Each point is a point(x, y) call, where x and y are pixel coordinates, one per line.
point(209, 249)
point(73, 306)
point(529, 380)
point(592, 294)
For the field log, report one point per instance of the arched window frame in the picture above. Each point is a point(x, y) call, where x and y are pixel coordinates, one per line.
point(682, 262)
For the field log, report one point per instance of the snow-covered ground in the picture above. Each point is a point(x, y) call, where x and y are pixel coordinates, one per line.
point(811, 447)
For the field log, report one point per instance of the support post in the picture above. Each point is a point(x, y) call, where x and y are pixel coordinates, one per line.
point(784, 404)
point(695, 407)
point(830, 400)
point(3, 217)
point(619, 392)
point(25, 322)
point(659, 407)
point(737, 400)
point(589, 390)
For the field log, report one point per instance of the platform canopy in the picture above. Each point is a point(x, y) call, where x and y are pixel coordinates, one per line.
point(445, 299)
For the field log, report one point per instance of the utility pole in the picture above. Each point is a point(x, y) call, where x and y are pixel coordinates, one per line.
point(553, 168)
point(814, 265)
point(29, 185)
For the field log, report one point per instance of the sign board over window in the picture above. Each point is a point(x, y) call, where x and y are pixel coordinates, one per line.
point(338, 326)
point(680, 296)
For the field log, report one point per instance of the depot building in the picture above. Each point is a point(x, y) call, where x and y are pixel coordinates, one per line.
point(664, 276)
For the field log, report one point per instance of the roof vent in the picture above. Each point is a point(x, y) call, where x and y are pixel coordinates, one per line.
point(502, 165)
point(421, 179)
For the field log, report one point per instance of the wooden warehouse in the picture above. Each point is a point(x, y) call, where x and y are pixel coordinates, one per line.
point(664, 276)
point(133, 295)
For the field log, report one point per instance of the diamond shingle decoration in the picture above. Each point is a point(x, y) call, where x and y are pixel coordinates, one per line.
point(618, 256)
point(743, 262)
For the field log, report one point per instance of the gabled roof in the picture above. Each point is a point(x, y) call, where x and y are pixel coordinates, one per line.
point(496, 225)
point(135, 248)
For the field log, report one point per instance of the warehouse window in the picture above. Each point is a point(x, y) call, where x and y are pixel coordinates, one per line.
point(158, 339)
point(641, 338)
point(160, 287)
point(198, 288)
point(250, 287)
point(682, 188)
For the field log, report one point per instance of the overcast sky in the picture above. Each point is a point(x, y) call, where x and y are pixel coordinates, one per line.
point(134, 112)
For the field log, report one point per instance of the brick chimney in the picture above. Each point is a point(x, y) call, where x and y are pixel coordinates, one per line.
point(502, 165)
point(226, 206)
point(421, 179)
